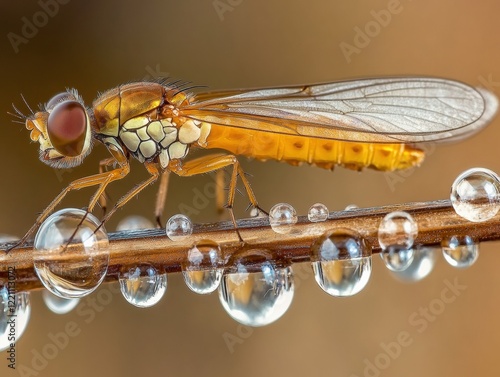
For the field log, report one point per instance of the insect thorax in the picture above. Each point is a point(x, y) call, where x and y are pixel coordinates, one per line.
point(156, 140)
point(143, 119)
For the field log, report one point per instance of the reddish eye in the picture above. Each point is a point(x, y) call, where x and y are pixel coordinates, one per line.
point(67, 128)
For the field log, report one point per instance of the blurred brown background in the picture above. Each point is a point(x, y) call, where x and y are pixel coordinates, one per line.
point(93, 46)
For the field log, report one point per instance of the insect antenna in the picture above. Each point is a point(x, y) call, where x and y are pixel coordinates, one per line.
point(21, 118)
point(27, 105)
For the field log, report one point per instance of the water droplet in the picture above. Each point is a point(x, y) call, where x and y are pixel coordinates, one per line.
point(342, 262)
point(58, 304)
point(318, 212)
point(203, 272)
point(179, 227)
point(396, 258)
point(254, 212)
point(475, 194)
point(142, 285)
point(424, 259)
point(70, 254)
point(397, 229)
point(460, 251)
point(351, 207)
point(282, 217)
point(256, 296)
point(20, 307)
point(134, 222)
point(396, 234)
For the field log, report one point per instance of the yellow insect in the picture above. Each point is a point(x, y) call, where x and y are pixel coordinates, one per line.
point(368, 123)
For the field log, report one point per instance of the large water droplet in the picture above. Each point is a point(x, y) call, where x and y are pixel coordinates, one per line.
point(134, 222)
point(143, 286)
point(318, 212)
point(179, 227)
point(203, 272)
point(58, 304)
point(460, 251)
point(282, 218)
point(424, 259)
point(70, 253)
point(15, 309)
point(342, 262)
point(475, 194)
point(259, 295)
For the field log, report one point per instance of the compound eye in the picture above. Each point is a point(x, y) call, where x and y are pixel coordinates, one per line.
point(58, 98)
point(67, 127)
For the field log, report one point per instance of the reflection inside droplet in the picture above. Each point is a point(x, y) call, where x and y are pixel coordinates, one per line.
point(460, 251)
point(70, 253)
point(342, 262)
point(203, 272)
point(142, 286)
point(258, 296)
point(282, 218)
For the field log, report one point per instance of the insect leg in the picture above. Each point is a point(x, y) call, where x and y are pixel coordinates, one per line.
point(153, 170)
point(103, 199)
point(220, 181)
point(161, 197)
point(101, 179)
point(211, 163)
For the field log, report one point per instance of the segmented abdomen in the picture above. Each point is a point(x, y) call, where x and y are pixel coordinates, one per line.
point(324, 153)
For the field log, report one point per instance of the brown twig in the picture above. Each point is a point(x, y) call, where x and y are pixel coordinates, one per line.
point(436, 221)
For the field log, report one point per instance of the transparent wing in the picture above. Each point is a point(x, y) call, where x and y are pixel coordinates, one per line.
point(395, 110)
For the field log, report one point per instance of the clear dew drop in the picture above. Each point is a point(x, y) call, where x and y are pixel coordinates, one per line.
point(282, 218)
point(259, 296)
point(203, 272)
point(475, 194)
point(20, 306)
point(318, 212)
point(397, 259)
point(342, 262)
point(350, 207)
point(142, 286)
point(134, 222)
point(424, 259)
point(460, 251)
point(179, 227)
point(71, 264)
point(397, 229)
point(396, 234)
point(57, 304)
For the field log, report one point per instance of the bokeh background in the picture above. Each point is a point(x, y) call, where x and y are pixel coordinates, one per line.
point(223, 44)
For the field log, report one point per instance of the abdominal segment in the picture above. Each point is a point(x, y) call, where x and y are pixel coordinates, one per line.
point(324, 153)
